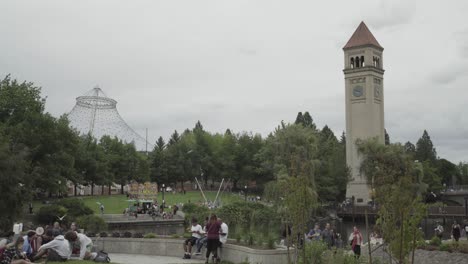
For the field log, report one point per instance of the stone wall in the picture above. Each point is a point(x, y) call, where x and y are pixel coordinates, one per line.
point(161, 227)
point(173, 248)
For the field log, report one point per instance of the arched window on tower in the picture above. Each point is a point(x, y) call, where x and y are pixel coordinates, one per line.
point(357, 62)
point(351, 63)
point(374, 61)
point(362, 62)
point(378, 62)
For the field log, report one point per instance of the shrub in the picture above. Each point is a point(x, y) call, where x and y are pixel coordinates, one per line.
point(445, 247)
point(238, 237)
point(103, 234)
point(189, 208)
point(150, 235)
point(175, 236)
point(138, 235)
point(92, 223)
point(127, 235)
point(271, 241)
point(75, 208)
point(90, 234)
point(115, 234)
point(48, 214)
point(435, 241)
point(199, 212)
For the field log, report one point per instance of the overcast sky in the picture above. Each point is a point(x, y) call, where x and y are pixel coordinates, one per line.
point(244, 65)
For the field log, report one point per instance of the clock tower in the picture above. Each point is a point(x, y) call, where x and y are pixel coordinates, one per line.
point(364, 90)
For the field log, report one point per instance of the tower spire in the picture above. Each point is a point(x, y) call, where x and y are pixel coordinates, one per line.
point(362, 37)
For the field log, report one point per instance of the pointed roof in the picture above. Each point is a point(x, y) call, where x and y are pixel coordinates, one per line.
point(361, 37)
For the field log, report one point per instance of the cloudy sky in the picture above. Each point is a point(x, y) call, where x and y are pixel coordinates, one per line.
point(244, 65)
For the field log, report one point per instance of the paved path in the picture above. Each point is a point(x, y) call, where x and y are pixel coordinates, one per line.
point(145, 259)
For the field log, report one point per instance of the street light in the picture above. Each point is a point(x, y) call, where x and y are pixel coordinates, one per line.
point(163, 202)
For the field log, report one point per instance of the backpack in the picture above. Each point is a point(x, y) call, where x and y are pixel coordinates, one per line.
point(102, 257)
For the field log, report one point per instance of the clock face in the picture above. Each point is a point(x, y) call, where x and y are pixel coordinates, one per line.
point(377, 91)
point(358, 91)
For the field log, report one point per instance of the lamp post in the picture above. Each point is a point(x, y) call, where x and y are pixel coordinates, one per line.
point(163, 201)
point(245, 192)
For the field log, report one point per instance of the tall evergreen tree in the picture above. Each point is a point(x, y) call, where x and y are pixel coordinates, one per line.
point(425, 150)
point(308, 121)
point(299, 119)
point(410, 148)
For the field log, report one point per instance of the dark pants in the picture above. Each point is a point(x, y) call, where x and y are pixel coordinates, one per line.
point(52, 255)
point(212, 246)
point(357, 251)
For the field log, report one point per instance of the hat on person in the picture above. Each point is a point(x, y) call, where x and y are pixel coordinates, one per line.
point(39, 231)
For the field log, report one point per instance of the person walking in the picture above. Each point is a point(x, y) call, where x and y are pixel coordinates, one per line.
point(356, 242)
point(456, 231)
point(213, 229)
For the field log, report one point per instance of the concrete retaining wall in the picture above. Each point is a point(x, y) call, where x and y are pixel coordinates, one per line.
point(173, 248)
point(159, 227)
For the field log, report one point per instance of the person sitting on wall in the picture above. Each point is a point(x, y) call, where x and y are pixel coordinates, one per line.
point(196, 230)
point(202, 241)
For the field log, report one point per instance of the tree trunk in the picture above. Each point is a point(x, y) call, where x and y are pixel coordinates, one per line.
point(74, 191)
point(110, 184)
point(121, 188)
point(92, 188)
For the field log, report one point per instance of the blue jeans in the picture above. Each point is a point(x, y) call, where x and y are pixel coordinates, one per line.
point(200, 243)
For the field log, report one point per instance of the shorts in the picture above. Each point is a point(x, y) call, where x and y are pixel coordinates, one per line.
point(192, 240)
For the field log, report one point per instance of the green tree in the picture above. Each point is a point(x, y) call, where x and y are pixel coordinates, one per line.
point(158, 165)
point(397, 182)
point(308, 121)
point(299, 119)
point(16, 184)
point(425, 149)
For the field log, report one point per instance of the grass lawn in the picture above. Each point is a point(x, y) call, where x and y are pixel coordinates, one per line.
point(115, 204)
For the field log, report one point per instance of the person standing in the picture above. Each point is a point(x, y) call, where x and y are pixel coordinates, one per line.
point(30, 208)
point(314, 234)
point(456, 232)
point(327, 236)
point(213, 229)
point(223, 236)
point(356, 242)
point(439, 230)
point(102, 209)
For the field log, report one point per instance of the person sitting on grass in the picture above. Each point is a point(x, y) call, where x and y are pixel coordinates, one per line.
point(85, 244)
point(12, 254)
point(57, 250)
point(196, 230)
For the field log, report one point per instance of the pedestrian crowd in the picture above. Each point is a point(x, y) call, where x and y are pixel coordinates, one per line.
point(50, 243)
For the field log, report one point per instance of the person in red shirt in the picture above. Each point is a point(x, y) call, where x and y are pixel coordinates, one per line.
point(212, 233)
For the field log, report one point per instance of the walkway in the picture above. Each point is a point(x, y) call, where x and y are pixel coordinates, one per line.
point(145, 259)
